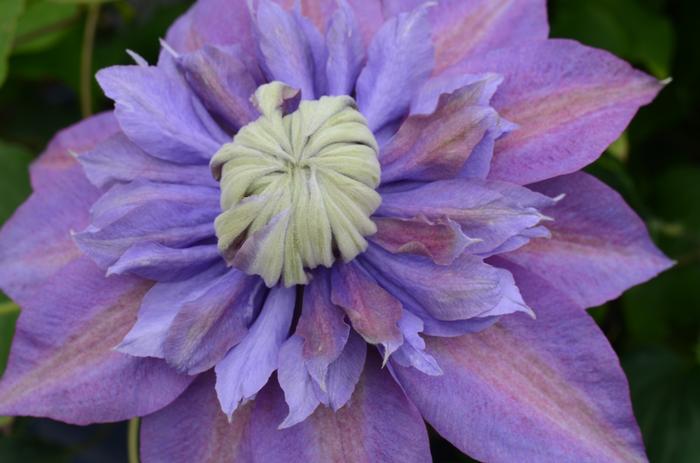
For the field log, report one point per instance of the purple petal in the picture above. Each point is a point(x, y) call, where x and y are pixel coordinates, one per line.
point(345, 372)
point(153, 261)
point(248, 366)
point(208, 326)
point(400, 60)
point(319, 52)
point(213, 22)
point(194, 429)
point(36, 242)
point(492, 212)
point(484, 87)
point(443, 241)
point(321, 326)
point(303, 393)
point(161, 305)
point(599, 247)
point(346, 52)
point(224, 78)
point(298, 386)
point(63, 365)
point(145, 212)
point(436, 146)
point(569, 101)
point(462, 29)
point(72, 316)
point(288, 51)
point(465, 289)
point(546, 390)
point(118, 160)
point(157, 111)
point(373, 312)
point(412, 352)
point(378, 424)
point(81, 137)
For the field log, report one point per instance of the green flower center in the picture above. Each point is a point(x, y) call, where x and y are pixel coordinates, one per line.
point(297, 190)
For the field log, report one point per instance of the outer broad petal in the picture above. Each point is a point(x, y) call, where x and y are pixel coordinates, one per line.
point(464, 28)
point(546, 390)
point(193, 428)
point(63, 364)
point(599, 247)
point(378, 424)
point(569, 101)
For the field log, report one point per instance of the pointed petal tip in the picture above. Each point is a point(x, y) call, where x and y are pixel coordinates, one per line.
point(166, 46)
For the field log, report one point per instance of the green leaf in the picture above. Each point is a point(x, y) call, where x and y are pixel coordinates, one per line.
point(627, 28)
point(665, 395)
point(14, 178)
point(10, 11)
point(82, 2)
point(43, 24)
point(8, 317)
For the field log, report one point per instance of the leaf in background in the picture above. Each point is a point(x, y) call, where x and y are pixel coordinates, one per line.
point(665, 389)
point(626, 27)
point(14, 178)
point(8, 317)
point(9, 12)
point(43, 23)
point(82, 2)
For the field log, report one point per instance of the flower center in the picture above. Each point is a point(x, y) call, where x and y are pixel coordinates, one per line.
point(298, 189)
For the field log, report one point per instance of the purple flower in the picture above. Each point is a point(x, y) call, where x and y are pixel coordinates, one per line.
point(307, 230)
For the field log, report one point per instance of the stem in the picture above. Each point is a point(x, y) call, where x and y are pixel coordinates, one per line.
point(134, 427)
point(93, 14)
point(7, 308)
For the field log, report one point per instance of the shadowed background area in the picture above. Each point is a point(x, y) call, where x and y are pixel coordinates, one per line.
point(50, 49)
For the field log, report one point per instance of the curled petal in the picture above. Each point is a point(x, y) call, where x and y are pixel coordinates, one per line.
point(436, 146)
point(373, 312)
point(599, 247)
point(443, 241)
point(497, 214)
point(468, 288)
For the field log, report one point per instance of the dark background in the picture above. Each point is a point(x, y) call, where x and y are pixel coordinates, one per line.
point(654, 328)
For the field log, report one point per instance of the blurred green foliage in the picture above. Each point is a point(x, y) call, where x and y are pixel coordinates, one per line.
point(655, 328)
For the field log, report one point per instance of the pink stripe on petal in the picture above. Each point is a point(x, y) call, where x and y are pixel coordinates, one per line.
point(599, 247)
point(546, 390)
point(569, 101)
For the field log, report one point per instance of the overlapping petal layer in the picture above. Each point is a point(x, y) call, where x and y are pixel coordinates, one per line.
point(549, 389)
point(378, 424)
point(468, 102)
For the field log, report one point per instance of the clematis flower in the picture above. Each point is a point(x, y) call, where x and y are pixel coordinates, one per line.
point(311, 228)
